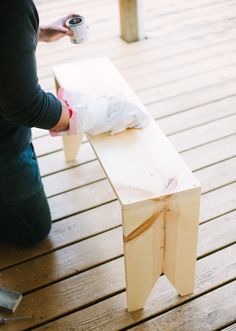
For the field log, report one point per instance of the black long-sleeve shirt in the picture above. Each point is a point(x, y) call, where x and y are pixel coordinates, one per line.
point(23, 103)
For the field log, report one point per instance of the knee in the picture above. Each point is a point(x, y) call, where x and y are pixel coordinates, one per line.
point(32, 230)
point(37, 232)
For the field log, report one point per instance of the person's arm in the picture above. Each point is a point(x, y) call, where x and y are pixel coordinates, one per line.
point(55, 30)
point(63, 123)
point(22, 100)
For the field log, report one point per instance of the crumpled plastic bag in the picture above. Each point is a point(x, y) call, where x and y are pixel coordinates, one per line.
point(104, 113)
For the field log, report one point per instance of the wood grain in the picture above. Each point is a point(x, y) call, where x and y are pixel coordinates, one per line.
point(202, 314)
point(185, 74)
point(85, 224)
point(111, 314)
point(66, 232)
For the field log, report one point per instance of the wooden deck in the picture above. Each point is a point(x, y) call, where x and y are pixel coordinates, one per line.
point(185, 74)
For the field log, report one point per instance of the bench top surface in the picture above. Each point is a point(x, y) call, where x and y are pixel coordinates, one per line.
point(140, 164)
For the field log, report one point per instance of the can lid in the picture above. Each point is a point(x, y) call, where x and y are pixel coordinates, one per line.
point(73, 21)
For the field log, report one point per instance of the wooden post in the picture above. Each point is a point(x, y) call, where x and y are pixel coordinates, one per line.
point(71, 144)
point(131, 20)
point(143, 229)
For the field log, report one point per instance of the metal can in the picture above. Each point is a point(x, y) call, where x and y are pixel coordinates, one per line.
point(78, 25)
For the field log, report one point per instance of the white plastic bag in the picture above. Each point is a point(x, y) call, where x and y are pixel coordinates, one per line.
point(105, 113)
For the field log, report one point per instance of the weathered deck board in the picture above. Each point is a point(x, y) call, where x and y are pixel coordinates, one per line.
point(203, 313)
point(111, 315)
point(187, 139)
point(75, 228)
point(210, 153)
point(185, 74)
point(180, 121)
point(212, 177)
point(68, 231)
point(173, 57)
point(81, 256)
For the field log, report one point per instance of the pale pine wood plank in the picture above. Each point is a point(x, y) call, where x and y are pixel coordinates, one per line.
point(111, 314)
point(71, 146)
point(196, 158)
point(85, 224)
point(47, 144)
point(209, 313)
point(227, 139)
point(63, 181)
point(143, 250)
point(212, 177)
point(119, 178)
point(181, 238)
point(136, 292)
point(185, 119)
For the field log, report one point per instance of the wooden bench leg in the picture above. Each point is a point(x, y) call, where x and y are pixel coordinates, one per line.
point(131, 20)
point(71, 145)
point(143, 251)
point(160, 237)
point(182, 222)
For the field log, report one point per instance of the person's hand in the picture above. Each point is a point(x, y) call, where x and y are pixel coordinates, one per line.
point(55, 30)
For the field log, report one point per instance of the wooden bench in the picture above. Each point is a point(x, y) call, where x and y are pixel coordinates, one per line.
point(158, 194)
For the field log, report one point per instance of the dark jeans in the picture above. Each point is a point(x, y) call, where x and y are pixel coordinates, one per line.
point(24, 212)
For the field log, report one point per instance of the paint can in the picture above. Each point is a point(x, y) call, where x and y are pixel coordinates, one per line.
point(78, 25)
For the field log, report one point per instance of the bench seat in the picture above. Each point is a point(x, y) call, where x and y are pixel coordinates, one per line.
point(158, 194)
